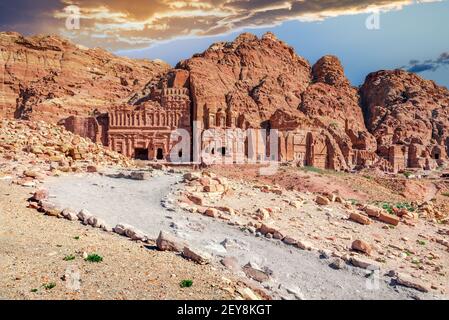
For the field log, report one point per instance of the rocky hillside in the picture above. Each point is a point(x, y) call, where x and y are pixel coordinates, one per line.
point(47, 77)
point(267, 82)
point(402, 108)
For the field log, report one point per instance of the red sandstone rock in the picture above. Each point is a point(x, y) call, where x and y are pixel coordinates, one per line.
point(409, 118)
point(362, 246)
point(49, 78)
point(357, 217)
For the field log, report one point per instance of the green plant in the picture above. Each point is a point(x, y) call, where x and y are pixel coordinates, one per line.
point(186, 283)
point(76, 238)
point(446, 194)
point(49, 286)
point(33, 290)
point(421, 242)
point(312, 169)
point(70, 257)
point(407, 174)
point(94, 258)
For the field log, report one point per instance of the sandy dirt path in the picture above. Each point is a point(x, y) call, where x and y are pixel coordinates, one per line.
point(139, 203)
point(33, 248)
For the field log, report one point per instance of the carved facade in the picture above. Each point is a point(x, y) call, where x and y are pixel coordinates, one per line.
point(145, 131)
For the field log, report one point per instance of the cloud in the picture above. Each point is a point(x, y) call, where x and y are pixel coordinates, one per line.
point(118, 24)
point(416, 66)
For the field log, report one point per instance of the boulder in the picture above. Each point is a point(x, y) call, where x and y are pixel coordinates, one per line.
point(84, 215)
point(255, 273)
point(191, 176)
point(373, 211)
point(364, 263)
point(230, 263)
point(41, 194)
point(211, 212)
point(168, 242)
point(196, 255)
point(322, 201)
point(359, 218)
point(407, 281)
point(389, 218)
point(304, 245)
point(362, 246)
point(69, 214)
point(140, 175)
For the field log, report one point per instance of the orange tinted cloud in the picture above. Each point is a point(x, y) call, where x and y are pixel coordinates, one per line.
point(119, 24)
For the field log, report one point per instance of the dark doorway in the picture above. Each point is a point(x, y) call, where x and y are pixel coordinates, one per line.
point(141, 154)
point(160, 154)
point(437, 156)
point(223, 151)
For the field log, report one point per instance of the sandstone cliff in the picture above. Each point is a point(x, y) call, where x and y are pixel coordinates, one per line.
point(49, 78)
point(267, 84)
point(403, 109)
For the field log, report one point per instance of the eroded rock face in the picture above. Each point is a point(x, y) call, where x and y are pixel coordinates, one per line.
point(409, 118)
point(251, 76)
point(394, 121)
point(49, 78)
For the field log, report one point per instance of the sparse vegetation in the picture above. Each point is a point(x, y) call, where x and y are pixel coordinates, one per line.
point(70, 257)
point(389, 207)
point(445, 194)
point(94, 258)
point(186, 283)
point(34, 290)
point(421, 242)
point(76, 238)
point(407, 174)
point(312, 169)
point(49, 286)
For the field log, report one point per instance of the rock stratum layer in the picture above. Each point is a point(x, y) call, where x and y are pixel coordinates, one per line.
point(49, 78)
point(395, 120)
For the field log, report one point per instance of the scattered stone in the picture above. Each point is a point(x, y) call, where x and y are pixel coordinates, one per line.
point(255, 273)
point(265, 229)
point(49, 208)
point(362, 246)
point(359, 218)
point(388, 218)
point(230, 263)
point(211, 212)
point(289, 240)
point(39, 195)
point(407, 281)
point(91, 169)
point(168, 242)
point(338, 264)
point(373, 211)
point(69, 214)
point(304, 245)
point(196, 255)
point(140, 175)
point(364, 263)
point(84, 216)
point(191, 176)
point(322, 201)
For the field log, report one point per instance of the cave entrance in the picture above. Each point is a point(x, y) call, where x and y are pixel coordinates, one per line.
point(141, 154)
point(159, 154)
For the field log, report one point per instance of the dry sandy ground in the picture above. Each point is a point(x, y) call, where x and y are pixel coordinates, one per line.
point(33, 247)
point(292, 270)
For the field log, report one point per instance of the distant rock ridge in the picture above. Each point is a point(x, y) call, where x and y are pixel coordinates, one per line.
point(48, 77)
point(395, 120)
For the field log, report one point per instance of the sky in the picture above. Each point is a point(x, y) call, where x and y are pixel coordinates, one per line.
point(367, 35)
